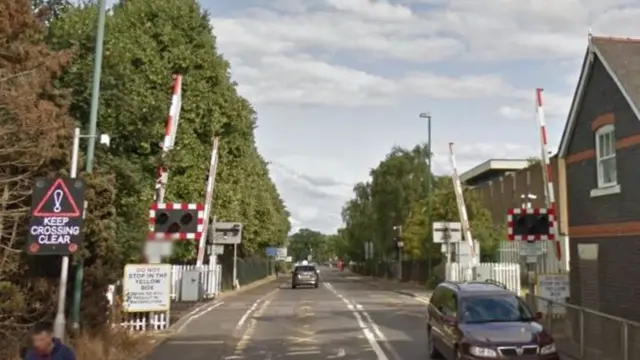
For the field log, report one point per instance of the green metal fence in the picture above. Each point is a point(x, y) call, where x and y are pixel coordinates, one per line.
point(248, 271)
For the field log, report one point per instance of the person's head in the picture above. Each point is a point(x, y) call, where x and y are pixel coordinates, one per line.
point(42, 336)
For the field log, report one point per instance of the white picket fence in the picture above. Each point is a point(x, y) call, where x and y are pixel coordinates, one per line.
point(210, 278)
point(509, 252)
point(505, 273)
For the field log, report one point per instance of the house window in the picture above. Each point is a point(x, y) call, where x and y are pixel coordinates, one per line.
point(606, 156)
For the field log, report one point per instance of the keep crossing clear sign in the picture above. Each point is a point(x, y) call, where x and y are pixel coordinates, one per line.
point(147, 287)
point(56, 221)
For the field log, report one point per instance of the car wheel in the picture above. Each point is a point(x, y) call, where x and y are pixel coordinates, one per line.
point(431, 348)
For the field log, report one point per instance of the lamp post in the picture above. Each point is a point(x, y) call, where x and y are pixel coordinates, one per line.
point(427, 115)
point(93, 124)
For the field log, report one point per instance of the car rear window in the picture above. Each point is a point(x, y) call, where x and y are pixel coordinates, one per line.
point(305, 268)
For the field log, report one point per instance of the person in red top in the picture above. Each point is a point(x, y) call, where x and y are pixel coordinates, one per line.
point(47, 347)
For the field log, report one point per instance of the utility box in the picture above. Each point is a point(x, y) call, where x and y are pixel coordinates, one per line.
point(190, 286)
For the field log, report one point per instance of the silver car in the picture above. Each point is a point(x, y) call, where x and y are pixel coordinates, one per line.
point(305, 275)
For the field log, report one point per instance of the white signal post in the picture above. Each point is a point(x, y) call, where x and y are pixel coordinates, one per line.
point(60, 321)
point(462, 210)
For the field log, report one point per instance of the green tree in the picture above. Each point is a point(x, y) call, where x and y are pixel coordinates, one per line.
point(307, 242)
point(35, 140)
point(147, 42)
point(533, 160)
point(397, 196)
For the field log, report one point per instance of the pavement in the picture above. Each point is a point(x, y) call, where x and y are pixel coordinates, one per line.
point(348, 317)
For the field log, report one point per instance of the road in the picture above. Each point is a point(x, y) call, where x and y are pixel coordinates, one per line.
point(344, 318)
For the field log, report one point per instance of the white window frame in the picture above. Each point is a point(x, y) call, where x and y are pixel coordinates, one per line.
point(612, 185)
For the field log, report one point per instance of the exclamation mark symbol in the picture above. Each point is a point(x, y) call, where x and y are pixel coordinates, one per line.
point(57, 200)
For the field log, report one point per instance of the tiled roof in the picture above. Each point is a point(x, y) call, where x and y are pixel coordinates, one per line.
point(623, 56)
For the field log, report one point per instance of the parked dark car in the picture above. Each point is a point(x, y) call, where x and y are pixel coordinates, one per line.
point(484, 320)
point(305, 275)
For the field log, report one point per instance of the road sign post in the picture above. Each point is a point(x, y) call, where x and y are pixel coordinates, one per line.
point(229, 233)
point(447, 234)
point(55, 228)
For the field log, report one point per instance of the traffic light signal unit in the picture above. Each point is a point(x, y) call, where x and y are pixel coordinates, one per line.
point(530, 224)
point(176, 221)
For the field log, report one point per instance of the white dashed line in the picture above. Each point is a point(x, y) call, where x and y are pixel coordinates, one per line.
point(366, 330)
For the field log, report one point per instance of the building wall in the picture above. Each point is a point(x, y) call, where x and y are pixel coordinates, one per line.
point(605, 247)
point(504, 193)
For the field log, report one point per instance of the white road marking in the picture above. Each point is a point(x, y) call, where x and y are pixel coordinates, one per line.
point(421, 299)
point(341, 353)
point(253, 307)
point(195, 342)
point(376, 329)
point(195, 314)
point(366, 331)
point(293, 353)
point(245, 316)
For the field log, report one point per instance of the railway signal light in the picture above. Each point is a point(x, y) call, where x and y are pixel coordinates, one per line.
point(530, 224)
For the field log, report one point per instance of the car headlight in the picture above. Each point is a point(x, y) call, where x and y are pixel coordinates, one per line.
point(548, 349)
point(482, 352)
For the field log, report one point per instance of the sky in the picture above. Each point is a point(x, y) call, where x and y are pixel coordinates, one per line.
point(338, 83)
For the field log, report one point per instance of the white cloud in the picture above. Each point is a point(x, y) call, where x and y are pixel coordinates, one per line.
point(381, 10)
point(290, 57)
point(303, 80)
point(470, 155)
point(466, 60)
point(523, 106)
point(494, 30)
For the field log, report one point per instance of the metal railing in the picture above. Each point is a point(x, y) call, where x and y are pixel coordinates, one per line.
point(586, 334)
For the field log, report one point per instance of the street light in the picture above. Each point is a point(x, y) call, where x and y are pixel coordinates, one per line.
point(93, 123)
point(427, 115)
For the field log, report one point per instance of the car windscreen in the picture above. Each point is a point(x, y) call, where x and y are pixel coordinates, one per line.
point(494, 308)
point(305, 269)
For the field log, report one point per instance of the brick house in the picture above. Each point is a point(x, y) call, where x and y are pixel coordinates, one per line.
point(600, 153)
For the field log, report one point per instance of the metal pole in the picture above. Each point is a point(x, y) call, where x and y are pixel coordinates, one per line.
point(60, 322)
point(235, 266)
point(93, 125)
point(531, 267)
point(429, 199)
point(400, 252)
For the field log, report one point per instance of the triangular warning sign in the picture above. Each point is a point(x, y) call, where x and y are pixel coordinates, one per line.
point(58, 194)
